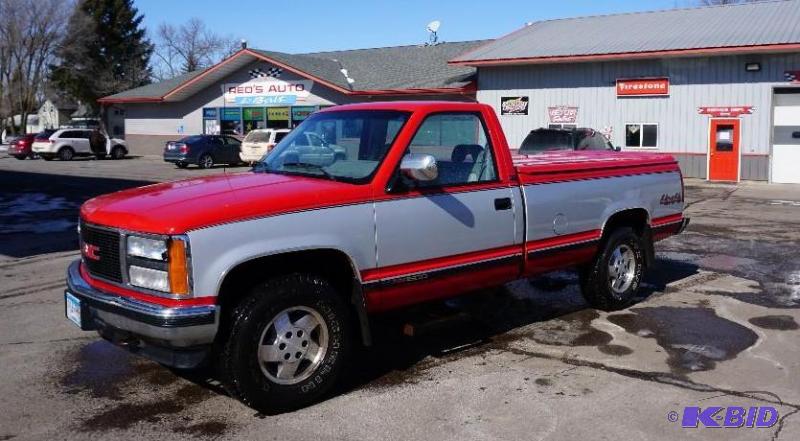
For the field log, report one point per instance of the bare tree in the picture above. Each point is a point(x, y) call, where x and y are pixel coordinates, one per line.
point(30, 31)
point(188, 47)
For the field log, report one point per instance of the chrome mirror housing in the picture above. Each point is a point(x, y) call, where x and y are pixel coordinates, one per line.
point(419, 167)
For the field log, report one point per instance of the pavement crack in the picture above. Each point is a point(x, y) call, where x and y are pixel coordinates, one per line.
point(781, 423)
point(659, 377)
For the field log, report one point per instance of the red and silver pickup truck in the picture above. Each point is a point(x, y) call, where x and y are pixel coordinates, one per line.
point(274, 274)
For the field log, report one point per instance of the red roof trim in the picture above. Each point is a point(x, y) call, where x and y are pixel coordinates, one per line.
point(629, 55)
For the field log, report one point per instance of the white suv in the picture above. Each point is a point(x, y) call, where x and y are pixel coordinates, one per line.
point(259, 142)
point(65, 144)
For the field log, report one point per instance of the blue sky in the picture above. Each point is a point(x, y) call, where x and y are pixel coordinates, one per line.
point(312, 25)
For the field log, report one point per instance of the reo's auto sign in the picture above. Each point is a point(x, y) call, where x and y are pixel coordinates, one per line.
point(267, 91)
point(643, 87)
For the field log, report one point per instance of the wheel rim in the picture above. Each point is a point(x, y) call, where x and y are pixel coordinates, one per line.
point(621, 269)
point(207, 162)
point(293, 345)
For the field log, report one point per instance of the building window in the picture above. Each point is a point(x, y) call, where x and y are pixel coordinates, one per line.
point(641, 135)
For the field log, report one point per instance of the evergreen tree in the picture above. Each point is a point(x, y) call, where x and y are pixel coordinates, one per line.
point(105, 51)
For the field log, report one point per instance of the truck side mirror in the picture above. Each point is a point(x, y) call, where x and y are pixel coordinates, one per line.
point(419, 167)
point(617, 148)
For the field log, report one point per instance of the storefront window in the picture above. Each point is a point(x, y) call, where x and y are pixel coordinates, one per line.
point(277, 117)
point(641, 135)
point(231, 121)
point(253, 118)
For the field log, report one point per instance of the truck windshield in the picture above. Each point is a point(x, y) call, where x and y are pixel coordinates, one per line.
point(341, 145)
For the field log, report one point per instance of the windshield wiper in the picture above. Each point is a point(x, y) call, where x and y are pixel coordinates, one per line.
point(308, 165)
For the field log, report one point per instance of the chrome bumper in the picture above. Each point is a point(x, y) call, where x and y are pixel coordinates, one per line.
point(177, 336)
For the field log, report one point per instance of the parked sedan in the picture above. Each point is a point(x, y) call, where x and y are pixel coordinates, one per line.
point(203, 150)
point(21, 147)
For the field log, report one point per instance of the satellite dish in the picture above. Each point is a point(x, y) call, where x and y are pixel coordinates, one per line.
point(432, 27)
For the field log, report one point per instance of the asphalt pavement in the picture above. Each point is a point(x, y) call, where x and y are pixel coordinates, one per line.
point(717, 325)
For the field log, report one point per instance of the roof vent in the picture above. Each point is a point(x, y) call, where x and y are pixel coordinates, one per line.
point(244, 43)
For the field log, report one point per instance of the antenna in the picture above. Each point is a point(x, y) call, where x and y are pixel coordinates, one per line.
point(433, 27)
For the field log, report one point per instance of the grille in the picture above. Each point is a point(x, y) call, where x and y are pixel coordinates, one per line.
point(107, 243)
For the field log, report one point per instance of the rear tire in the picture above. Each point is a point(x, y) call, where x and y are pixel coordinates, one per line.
point(205, 161)
point(288, 343)
point(66, 154)
point(612, 280)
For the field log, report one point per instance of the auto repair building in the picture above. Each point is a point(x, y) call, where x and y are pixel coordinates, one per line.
point(261, 89)
point(717, 87)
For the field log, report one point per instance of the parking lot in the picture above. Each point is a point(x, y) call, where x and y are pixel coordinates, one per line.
point(718, 325)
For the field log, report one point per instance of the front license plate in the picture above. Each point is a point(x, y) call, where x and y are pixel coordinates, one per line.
point(73, 309)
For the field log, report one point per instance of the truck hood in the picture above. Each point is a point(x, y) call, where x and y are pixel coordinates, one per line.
point(181, 206)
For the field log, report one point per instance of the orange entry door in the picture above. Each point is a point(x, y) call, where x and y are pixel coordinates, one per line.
point(723, 150)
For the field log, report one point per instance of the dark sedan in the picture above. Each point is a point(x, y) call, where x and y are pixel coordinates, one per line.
point(203, 150)
point(547, 140)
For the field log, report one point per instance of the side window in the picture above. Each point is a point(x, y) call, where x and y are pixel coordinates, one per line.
point(69, 134)
point(641, 135)
point(216, 141)
point(460, 145)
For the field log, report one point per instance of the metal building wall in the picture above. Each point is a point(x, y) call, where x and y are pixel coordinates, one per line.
point(694, 82)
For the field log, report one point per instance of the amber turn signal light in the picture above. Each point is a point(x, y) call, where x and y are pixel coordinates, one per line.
point(178, 267)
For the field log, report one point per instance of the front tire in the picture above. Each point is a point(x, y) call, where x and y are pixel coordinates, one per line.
point(612, 280)
point(288, 343)
point(118, 152)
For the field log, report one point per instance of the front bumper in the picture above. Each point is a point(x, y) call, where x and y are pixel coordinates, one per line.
point(175, 336)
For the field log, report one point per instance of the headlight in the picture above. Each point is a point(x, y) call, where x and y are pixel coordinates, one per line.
point(149, 278)
point(159, 264)
point(155, 249)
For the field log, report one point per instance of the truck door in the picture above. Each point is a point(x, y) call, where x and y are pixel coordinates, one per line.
point(449, 235)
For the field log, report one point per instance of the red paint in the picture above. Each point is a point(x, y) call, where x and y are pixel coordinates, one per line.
point(573, 166)
point(180, 206)
point(723, 164)
point(660, 221)
point(124, 292)
point(632, 55)
point(643, 87)
point(727, 111)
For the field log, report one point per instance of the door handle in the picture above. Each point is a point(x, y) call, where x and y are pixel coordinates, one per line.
point(502, 204)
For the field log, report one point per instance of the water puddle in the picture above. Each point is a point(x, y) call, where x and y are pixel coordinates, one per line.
point(775, 322)
point(696, 339)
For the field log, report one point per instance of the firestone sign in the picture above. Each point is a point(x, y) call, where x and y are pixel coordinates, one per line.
point(643, 87)
point(267, 91)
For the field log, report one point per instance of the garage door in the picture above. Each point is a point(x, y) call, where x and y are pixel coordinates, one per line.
point(786, 137)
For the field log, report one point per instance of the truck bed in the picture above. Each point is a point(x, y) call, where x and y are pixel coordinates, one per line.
point(568, 166)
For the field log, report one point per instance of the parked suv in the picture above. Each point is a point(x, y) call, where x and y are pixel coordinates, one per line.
point(203, 150)
point(259, 142)
point(67, 143)
point(546, 140)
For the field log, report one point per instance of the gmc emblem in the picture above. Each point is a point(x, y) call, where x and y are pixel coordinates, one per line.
point(91, 251)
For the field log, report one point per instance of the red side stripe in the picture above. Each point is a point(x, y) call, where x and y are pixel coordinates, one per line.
point(569, 239)
point(659, 221)
point(438, 263)
point(124, 292)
